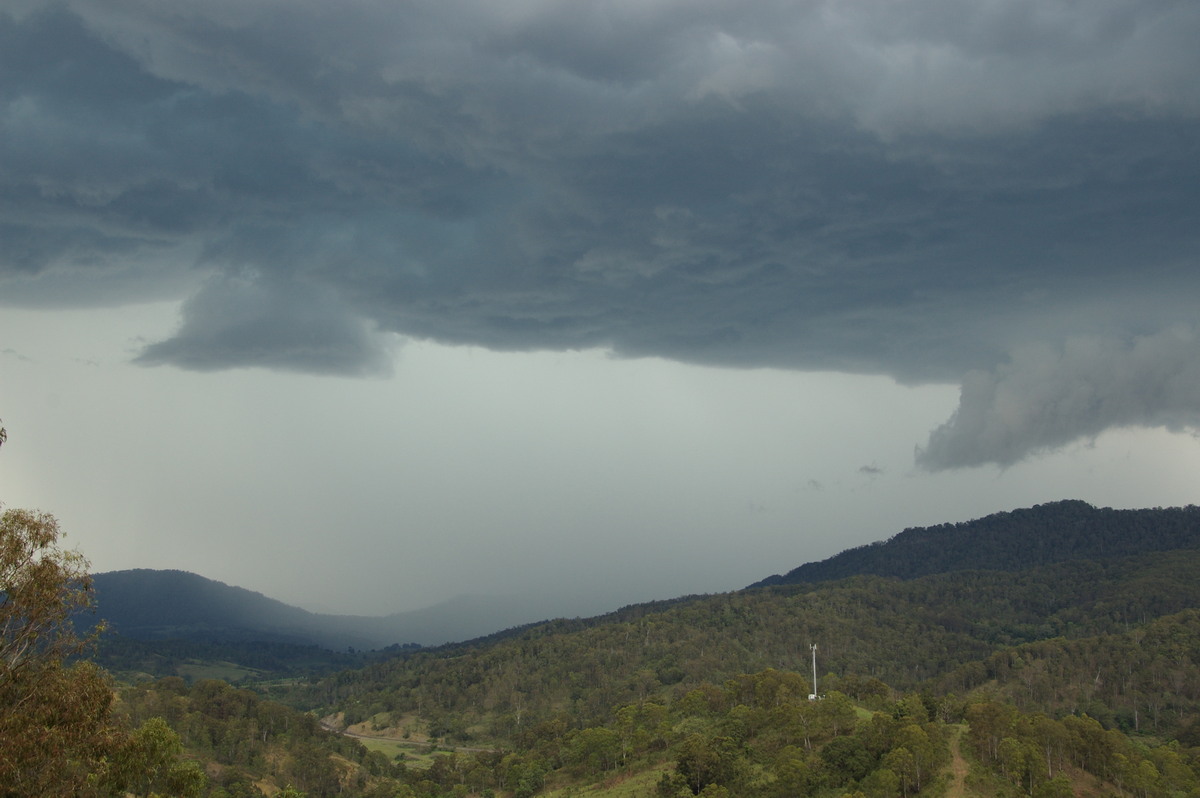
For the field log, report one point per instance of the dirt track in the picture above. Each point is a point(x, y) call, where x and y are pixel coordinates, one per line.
point(958, 767)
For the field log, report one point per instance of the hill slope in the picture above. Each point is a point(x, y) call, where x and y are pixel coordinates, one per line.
point(1011, 541)
point(709, 694)
point(901, 632)
point(719, 683)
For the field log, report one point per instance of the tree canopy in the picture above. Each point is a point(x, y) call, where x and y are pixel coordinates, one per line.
point(54, 718)
point(58, 735)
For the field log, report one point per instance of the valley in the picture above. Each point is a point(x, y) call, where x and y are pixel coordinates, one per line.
point(1071, 670)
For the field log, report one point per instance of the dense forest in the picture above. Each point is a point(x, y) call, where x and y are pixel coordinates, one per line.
point(1011, 541)
point(901, 632)
point(1073, 671)
point(752, 735)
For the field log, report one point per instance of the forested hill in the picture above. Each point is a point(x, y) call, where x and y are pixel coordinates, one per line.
point(150, 605)
point(901, 632)
point(1011, 541)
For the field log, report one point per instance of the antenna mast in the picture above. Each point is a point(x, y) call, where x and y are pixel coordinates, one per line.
point(813, 697)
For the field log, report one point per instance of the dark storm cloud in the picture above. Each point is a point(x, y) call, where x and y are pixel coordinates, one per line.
point(920, 189)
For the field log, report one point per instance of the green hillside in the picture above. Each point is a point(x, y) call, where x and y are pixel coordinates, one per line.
point(1068, 676)
point(901, 632)
point(1072, 676)
point(1141, 680)
point(1011, 541)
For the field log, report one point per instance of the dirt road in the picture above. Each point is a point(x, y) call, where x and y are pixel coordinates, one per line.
point(958, 766)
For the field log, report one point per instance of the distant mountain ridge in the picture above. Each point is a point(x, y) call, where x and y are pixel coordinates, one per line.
point(148, 604)
point(1010, 541)
point(154, 605)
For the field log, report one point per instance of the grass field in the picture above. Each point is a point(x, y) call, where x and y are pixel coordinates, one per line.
point(638, 785)
point(415, 754)
point(226, 671)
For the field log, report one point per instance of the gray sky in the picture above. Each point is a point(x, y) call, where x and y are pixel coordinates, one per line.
point(605, 300)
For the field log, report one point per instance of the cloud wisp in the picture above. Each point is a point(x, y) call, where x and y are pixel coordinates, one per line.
point(925, 189)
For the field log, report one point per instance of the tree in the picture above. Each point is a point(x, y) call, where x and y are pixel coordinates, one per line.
point(902, 762)
point(148, 763)
point(915, 740)
point(57, 732)
point(703, 761)
point(795, 771)
point(1057, 787)
point(41, 587)
point(881, 783)
point(596, 749)
point(847, 759)
point(55, 723)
